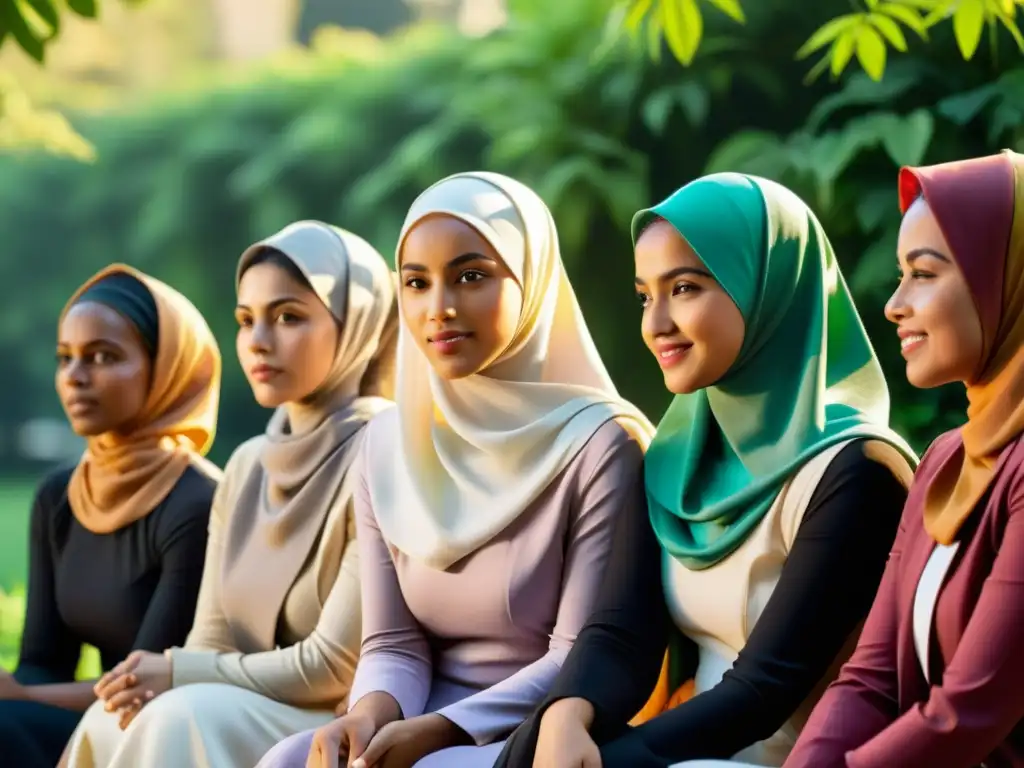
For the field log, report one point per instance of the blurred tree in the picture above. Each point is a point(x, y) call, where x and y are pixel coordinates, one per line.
point(867, 32)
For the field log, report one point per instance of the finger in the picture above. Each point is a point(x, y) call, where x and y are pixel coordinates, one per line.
point(324, 752)
point(119, 683)
point(124, 699)
point(373, 752)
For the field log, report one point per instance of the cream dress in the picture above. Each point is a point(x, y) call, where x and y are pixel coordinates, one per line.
point(226, 709)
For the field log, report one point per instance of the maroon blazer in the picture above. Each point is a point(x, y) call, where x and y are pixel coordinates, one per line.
point(881, 712)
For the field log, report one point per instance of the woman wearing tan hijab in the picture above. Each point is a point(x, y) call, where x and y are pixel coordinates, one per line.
point(117, 542)
point(488, 497)
point(276, 634)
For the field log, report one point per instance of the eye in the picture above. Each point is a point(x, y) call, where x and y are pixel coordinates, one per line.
point(471, 276)
point(643, 298)
point(288, 318)
point(102, 358)
point(684, 287)
point(63, 359)
point(920, 274)
point(244, 321)
point(416, 283)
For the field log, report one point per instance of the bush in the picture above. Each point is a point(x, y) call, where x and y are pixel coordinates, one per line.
point(351, 132)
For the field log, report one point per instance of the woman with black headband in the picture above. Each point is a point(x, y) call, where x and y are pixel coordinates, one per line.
point(116, 542)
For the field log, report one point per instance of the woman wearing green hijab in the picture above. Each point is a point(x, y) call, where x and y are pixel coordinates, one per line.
point(774, 489)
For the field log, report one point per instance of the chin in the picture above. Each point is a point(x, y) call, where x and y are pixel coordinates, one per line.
point(268, 397)
point(923, 377)
point(680, 384)
point(87, 428)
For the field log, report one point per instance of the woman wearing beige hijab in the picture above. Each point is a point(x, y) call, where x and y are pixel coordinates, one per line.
point(276, 635)
point(486, 511)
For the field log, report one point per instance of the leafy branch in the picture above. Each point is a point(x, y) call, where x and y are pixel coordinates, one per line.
point(867, 33)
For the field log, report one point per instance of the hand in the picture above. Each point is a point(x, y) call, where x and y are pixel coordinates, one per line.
point(340, 738)
point(563, 740)
point(133, 683)
point(10, 689)
point(402, 743)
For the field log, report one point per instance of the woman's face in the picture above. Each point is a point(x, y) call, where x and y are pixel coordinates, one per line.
point(938, 324)
point(103, 370)
point(459, 300)
point(286, 336)
point(689, 322)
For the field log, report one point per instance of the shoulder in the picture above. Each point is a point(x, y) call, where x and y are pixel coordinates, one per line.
point(244, 458)
point(51, 497)
point(869, 460)
point(53, 489)
point(612, 451)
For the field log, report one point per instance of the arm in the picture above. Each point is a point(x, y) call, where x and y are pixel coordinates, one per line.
point(980, 700)
point(317, 671)
point(611, 492)
point(49, 649)
point(825, 590)
point(395, 659)
point(182, 536)
point(210, 629)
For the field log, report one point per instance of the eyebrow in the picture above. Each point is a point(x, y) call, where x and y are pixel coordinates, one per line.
point(275, 303)
point(678, 272)
point(925, 251)
point(456, 262)
point(102, 342)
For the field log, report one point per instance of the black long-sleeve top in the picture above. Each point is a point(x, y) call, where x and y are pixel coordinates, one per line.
point(825, 589)
point(135, 588)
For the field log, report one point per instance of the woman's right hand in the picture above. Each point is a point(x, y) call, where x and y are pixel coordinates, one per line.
point(563, 740)
point(345, 738)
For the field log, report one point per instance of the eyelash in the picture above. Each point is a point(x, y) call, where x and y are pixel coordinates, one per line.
point(418, 283)
point(915, 274)
point(108, 358)
point(288, 317)
point(679, 288)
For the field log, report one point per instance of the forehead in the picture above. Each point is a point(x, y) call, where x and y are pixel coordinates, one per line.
point(920, 228)
point(267, 282)
point(661, 247)
point(89, 322)
point(438, 238)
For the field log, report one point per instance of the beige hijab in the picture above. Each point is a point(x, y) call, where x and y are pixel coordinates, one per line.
point(302, 474)
point(476, 452)
point(123, 477)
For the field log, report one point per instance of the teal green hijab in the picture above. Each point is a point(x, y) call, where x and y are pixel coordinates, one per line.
point(805, 379)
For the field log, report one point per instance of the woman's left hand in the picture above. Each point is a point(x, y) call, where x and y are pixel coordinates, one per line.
point(402, 743)
point(137, 680)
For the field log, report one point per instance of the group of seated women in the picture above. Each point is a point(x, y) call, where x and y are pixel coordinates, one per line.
point(455, 545)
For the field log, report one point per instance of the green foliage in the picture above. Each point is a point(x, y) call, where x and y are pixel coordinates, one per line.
point(865, 34)
point(351, 132)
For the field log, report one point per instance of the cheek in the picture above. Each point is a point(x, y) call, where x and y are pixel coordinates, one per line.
point(493, 313)
point(123, 388)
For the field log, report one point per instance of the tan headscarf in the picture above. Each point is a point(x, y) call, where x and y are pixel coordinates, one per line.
point(979, 206)
point(123, 477)
point(476, 452)
point(303, 472)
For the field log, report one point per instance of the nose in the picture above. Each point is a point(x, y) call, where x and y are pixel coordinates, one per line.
point(656, 320)
point(76, 374)
point(897, 308)
point(260, 337)
point(442, 304)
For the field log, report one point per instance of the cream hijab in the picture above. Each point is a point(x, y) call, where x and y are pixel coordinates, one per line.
point(474, 453)
point(302, 473)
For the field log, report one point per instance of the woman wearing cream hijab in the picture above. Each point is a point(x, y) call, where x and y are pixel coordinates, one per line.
point(276, 634)
point(486, 511)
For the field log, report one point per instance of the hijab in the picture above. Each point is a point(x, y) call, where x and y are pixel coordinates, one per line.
point(302, 472)
point(806, 376)
point(979, 206)
point(122, 477)
point(474, 453)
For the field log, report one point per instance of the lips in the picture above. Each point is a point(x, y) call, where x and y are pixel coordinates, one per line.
point(81, 405)
point(910, 341)
point(263, 372)
point(447, 342)
point(669, 355)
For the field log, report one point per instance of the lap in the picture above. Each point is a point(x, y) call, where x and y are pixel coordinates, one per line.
point(34, 734)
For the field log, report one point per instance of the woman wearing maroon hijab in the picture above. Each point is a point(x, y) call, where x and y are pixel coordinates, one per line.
point(937, 679)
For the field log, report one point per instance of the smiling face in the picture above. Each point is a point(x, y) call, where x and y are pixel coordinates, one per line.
point(690, 323)
point(103, 370)
point(938, 324)
point(286, 336)
point(459, 300)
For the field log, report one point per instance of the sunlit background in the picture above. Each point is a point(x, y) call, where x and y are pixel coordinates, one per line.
point(170, 135)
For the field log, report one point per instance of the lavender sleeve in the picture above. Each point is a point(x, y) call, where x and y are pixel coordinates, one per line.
point(395, 656)
point(496, 711)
